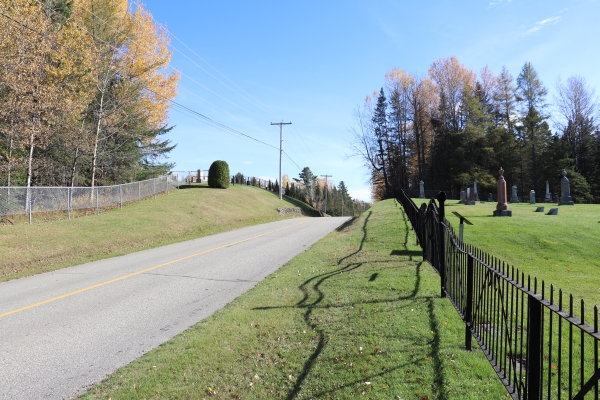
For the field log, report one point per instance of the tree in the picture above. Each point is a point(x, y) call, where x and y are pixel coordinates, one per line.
point(39, 88)
point(310, 182)
point(399, 84)
point(533, 130)
point(577, 107)
point(344, 197)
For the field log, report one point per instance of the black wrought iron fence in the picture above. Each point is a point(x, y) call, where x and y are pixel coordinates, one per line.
point(528, 330)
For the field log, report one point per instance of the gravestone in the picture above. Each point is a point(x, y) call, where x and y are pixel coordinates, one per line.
point(553, 211)
point(470, 197)
point(532, 197)
point(539, 209)
point(463, 197)
point(513, 197)
point(548, 197)
point(421, 190)
point(565, 191)
point(490, 197)
point(476, 193)
point(502, 208)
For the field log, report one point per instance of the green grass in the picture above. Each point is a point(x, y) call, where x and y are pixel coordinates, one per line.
point(562, 249)
point(357, 314)
point(181, 215)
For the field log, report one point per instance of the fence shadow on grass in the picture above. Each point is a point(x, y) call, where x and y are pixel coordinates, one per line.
point(313, 286)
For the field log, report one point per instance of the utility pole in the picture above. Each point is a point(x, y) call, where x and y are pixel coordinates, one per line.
point(281, 124)
point(326, 190)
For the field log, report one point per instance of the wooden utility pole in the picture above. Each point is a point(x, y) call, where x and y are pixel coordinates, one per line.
point(326, 190)
point(281, 124)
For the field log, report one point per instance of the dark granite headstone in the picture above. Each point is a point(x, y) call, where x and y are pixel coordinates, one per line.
point(553, 211)
point(539, 209)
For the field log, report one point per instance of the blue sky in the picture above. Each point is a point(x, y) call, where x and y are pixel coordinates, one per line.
point(313, 62)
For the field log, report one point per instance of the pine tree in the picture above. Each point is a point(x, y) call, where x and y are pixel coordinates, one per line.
point(534, 132)
point(381, 135)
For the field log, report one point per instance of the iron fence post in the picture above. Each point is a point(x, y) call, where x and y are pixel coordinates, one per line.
point(69, 202)
point(121, 196)
point(534, 348)
point(441, 198)
point(139, 191)
point(423, 230)
point(469, 310)
point(154, 183)
point(97, 202)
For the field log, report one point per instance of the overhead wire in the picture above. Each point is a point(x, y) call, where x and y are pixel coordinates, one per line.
point(210, 120)
point(264, 107)
point(221, 127)
point(256, 102)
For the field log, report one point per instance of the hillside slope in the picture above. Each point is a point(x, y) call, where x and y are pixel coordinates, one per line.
point(181, 215)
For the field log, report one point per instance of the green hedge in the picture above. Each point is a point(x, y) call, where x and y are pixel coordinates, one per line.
point(218, 175)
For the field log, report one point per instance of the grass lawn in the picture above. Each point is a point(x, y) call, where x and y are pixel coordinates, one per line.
point(356, 315)
point(183, 214)
point(563, 249)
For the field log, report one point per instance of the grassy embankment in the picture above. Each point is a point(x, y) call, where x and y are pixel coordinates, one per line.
point(563, 249)
point(357, 314)
point(181, 215)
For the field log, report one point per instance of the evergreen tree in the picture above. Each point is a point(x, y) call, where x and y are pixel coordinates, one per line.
point(533, 131)
point(381, 135)
point(310, 182)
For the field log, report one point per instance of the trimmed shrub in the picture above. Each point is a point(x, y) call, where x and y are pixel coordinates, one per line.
point(218, 175)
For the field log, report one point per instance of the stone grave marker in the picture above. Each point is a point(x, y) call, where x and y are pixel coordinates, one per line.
point(539, 209)
point(514, 198)
point(490, 197)
point(502, 207)
point(565, 191)
point(553, 211)
point(548, 197)
point(532, 197)
point(470, 197)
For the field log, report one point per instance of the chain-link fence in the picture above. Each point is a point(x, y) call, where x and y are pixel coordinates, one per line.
point(29, 201)
point(190, 176)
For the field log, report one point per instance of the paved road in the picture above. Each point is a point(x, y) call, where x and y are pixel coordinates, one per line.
point(63, 331)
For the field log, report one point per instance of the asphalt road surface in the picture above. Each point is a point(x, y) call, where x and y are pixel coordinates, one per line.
point(63, 331)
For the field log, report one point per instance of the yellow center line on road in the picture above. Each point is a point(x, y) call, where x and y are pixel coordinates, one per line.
point(142, 271)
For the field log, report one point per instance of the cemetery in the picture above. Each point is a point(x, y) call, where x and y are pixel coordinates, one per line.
point(548, 265)
point(561, 251)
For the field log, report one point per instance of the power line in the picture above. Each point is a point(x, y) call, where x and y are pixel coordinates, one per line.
point(281, 124)
point(261, 105)
point(209, 119)
point(264, 107)
point(144, 87)
point(216, 124)
point(198, 83)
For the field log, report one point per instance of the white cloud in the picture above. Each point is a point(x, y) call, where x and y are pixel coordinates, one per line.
point(496, 2)
point(543, 24)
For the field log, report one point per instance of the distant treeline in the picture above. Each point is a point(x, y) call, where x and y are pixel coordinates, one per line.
point(454, 127)
point(320, 194)
point(84, 93)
